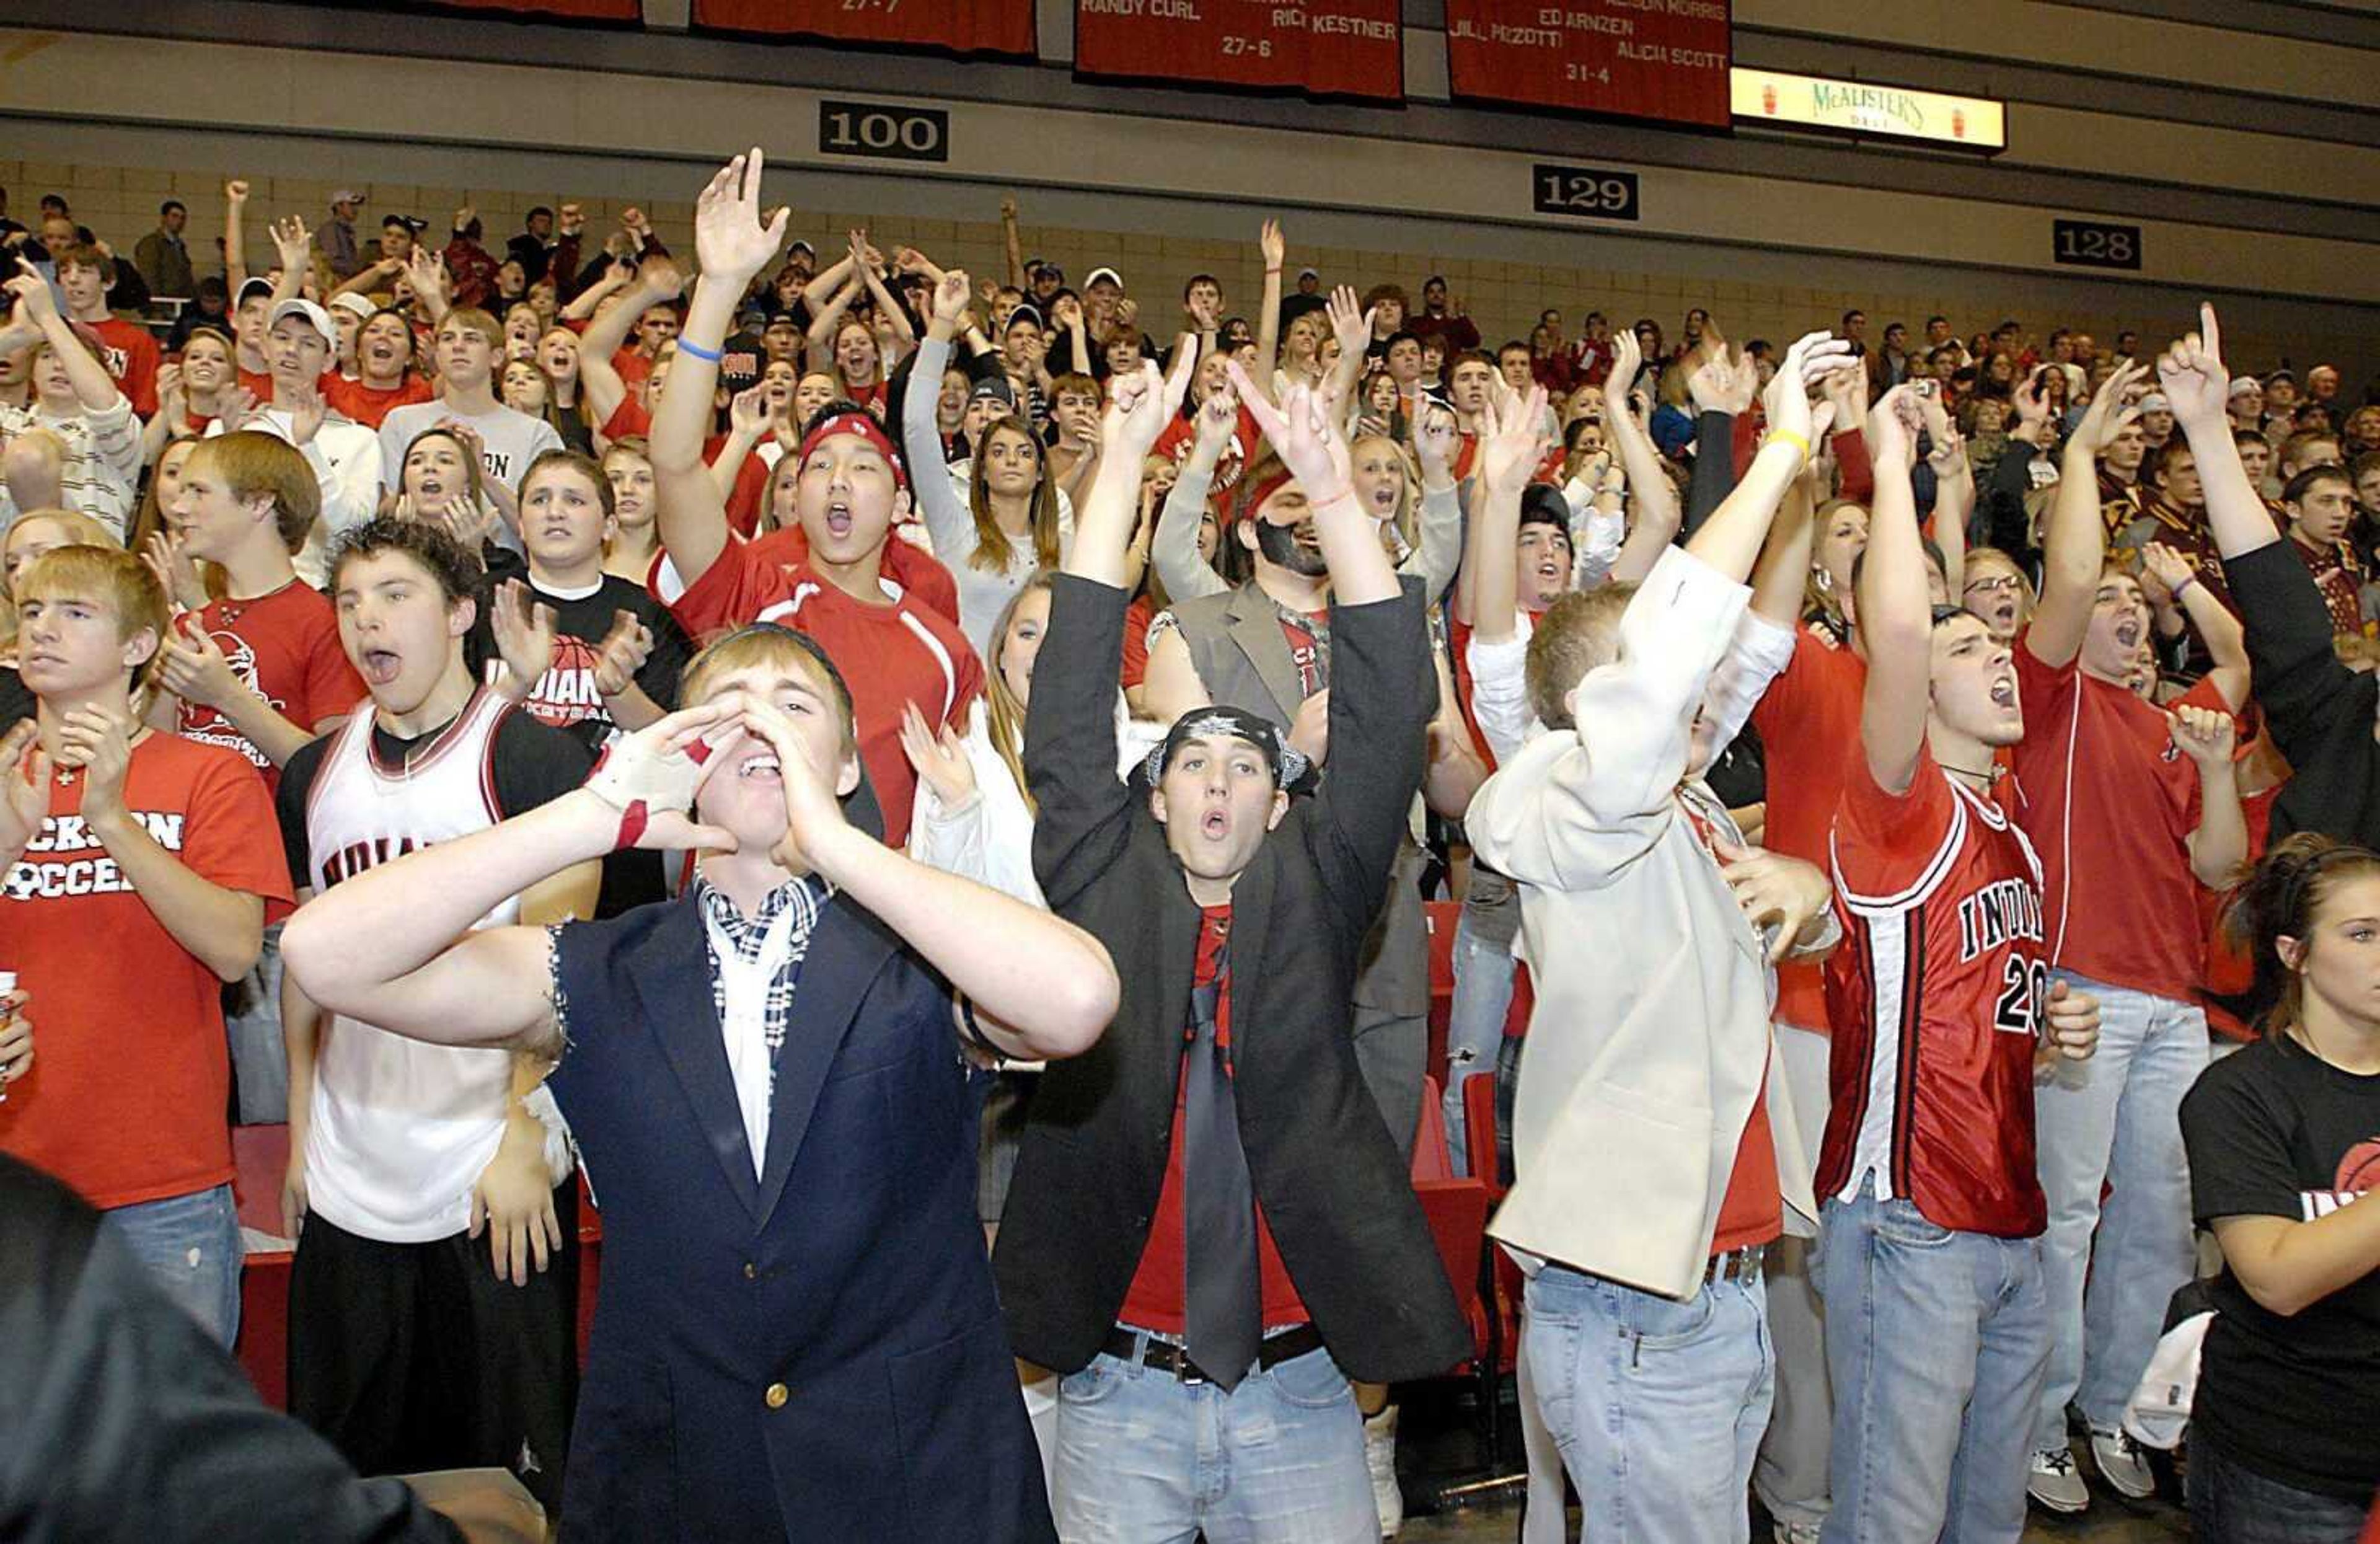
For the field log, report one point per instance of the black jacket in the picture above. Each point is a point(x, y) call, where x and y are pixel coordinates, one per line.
point(2319, 713)
point(121, 1420)
point(1335, 1189)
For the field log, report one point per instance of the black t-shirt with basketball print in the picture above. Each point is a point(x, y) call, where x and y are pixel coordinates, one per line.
point(2275, 1131)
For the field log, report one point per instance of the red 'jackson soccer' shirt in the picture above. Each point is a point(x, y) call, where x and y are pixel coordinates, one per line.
point(284, 647)
point(1809, 723)
point(2110, 803)
point(1933, 994)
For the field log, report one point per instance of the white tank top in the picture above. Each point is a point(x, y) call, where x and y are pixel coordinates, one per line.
point(400, 1129)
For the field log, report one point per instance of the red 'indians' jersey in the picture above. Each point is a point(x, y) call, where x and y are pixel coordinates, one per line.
point(1933, 998)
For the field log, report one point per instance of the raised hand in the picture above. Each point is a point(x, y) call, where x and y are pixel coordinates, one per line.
point(164, 555)
point(427, 271)
point(236, 191)
point(1349, 323)
point(941, 761)
point(731, 238)
point(1512, 439)
point(1306, 435)
point(2196, 382)
point(35, 305)
point(98, 740)
point(1627, 360)
point(1847, 390)
point(1815, 359)
point(2205, 734)
point(1274, 244)
point(1139, 406)
point(1200, 308)
point(308, 411)
point(2167, 567)
point(2111, 409)
point(235, 405)
point(952, 297)
point(1719, 386)
point(2031, 399)
point(1434, 436)
point(748, 411)
point(1218, 417)
point(1893, 428)
point(813, 812)
point(621, 654)
point(660, 277)
point(294, 244)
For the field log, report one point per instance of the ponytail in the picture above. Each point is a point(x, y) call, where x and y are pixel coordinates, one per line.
point(2278, 900)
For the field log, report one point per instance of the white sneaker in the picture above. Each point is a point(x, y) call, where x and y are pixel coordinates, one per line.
point(1381, 1457)
point(2122, 1462)
point(2055, 1483)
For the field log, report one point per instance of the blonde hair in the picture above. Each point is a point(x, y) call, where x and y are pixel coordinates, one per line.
point(767, 643)
point(1577, 633)
point(1003, 713)
point(90, 571)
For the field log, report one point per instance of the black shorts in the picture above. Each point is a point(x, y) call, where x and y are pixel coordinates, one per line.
point(414, 1356)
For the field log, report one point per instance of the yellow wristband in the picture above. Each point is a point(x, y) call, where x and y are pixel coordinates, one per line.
point(1796, 441)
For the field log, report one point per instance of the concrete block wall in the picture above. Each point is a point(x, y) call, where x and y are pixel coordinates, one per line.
point(119, 203)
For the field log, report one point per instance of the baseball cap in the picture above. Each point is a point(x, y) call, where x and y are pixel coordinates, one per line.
point(1309, 273)
point(2242, 383)
point(2282, 374)
point(316, 317)
point(1108, 273)
point(355, 304)
point(346, 195)
point(993, 388)
point(250, 286)
point(801, 247)
point(2156, 403)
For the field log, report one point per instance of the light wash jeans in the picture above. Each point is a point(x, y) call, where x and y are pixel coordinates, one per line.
point(191, 1244)
point(1790, 1476)
point(1144, 1458)
point(1484, 966)
point(2115, 1119)
point(1936, 1341)
point(1656, 1404)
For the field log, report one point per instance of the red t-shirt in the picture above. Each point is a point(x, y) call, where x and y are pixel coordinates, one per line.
point(633, 368)
point(258, 384)
point(1157, 1298)
point(891, 655)
point(1135, 639)
point(126, 1094)
point(2110, 803)
point(284, 647)
point(1753, 1211)
point(1809, 723)
point(920, 574)
point(743, 500)
point(131, 354)
point(1934, 995)
point(368, 405)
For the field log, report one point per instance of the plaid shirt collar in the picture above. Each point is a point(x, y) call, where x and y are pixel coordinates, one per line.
point(807, 896)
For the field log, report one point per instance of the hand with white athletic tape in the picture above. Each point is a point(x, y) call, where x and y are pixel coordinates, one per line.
point(651, 776)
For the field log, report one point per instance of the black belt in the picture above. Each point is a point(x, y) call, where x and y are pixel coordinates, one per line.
point(1272, 1350)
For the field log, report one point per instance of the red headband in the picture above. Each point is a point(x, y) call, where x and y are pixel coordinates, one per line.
point(863, 424)
point(1259, 491)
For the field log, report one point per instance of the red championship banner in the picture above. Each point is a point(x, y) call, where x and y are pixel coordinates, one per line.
point(1322, 47)
point(1662, 59)
point(960, 26)
point(577, 10)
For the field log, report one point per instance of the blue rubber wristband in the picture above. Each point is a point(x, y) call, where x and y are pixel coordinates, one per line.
point(699, 351)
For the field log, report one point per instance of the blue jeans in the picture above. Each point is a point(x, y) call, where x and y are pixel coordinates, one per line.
point(1483, 993)
point(2233, 1504)
point(1936, 1341)
point(191, 1246)
point(2114, 1119)
point(1144, 1458)
point(1657, 1406)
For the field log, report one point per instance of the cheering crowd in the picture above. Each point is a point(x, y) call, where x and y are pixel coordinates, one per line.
point(561, 721)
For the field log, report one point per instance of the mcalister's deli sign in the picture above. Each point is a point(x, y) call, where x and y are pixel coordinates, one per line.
point(1868, 109)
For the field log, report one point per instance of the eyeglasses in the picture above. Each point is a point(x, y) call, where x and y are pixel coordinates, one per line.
point(2005, 583)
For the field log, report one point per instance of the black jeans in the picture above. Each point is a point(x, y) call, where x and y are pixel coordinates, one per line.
point(2233, 1504)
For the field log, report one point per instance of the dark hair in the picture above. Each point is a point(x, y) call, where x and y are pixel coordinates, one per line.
point(1852, 312)
point(2277, 900)
point(533, 213)
point(171, 204)
point(458, 573)
point(1474, 356)
point(2309, 480)
point(1195, 280)
point(1400, 335)
point(569, 460)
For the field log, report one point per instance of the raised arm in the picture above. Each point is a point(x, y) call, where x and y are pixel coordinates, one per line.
point(1275, 247)
point(1352, 326)
point(1782, 576)
point(1653, 514)
point(1173, 547)
point(2225, 641)
point(733, 243)
point(948, 522)
point(93, 387)
point(2074, 548)
point(1954, 491)
point(235, 238)
point(1511, 443)
point(1731, 539)
point(1723, 393)
point(826, 320)
point(617, 275)
point(1436, 557)
point(1011, 243)
point(2190, 372)
point(657, 282)
point(1895, 613)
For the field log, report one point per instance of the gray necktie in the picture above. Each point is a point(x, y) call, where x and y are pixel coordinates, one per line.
point(1225, 1319)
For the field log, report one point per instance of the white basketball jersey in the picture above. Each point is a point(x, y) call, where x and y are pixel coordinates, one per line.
point(401, 1130)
